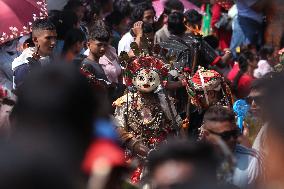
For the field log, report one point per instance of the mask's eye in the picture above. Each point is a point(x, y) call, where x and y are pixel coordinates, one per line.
point(151, 79)
point(141, 78)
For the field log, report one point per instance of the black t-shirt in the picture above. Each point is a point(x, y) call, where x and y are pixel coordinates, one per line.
point(95, 69)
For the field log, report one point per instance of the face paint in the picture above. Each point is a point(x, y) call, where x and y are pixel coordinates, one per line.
point(146, 80)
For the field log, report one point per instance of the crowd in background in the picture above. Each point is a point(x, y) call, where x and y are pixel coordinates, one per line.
point(58, 126)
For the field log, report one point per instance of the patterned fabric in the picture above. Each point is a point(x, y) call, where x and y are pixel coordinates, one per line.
point(178, 48)
point(206, 79)
point(162, 34)
point(147, 120)
point(206, 54)
point(184, 49)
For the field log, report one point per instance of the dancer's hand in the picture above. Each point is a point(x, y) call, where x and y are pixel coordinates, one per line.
point(141, 150)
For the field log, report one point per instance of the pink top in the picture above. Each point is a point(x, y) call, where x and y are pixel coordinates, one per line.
point(110, 64)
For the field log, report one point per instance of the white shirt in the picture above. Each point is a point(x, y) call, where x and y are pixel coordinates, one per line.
point(258, 143)
point(23, 59)
point(124, 43)
point(248, 167)
point(263, 68)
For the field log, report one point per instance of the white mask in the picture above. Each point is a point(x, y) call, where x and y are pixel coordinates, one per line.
point(146, 80)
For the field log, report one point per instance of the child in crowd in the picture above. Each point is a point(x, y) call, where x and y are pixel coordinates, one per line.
point(265, 64)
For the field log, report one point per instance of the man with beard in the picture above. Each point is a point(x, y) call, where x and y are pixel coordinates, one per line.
point(186, 43)
point(143, 14)
point(189, 52)
point(44, 37)
point(170, 7)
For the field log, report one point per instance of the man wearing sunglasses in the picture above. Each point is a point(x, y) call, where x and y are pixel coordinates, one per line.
point(255, 99)
point(220, 124)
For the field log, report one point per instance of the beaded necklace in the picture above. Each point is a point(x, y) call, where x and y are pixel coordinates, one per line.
point(146, 119)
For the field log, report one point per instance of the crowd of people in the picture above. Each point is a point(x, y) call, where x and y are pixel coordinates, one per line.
point(105, 94)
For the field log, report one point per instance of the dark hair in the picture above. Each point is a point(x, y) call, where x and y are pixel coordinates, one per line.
point(64, 21)
point(114, 18)
point(35, 169)
point(201, 155)
point(72, 37)
point(147, 28)
point(212, 40)
point(175, 23)
point(197, 3)
point(138, 12)
point(262, 83)
point(193, 17)
point(265, 51)
point(53, 13)
point(171, 5)
point(72, 5)
point(42, 24)
point(96, 8)
point(56, 98)
point(243, 65)
point(123, 7)
point(103, 2)
point(219, 113)
point(99, 32)
point(29, 42)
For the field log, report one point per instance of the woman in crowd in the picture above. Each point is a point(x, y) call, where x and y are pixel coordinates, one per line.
point(241, 75)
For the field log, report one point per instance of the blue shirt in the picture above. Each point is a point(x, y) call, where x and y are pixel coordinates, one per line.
point(245, 10)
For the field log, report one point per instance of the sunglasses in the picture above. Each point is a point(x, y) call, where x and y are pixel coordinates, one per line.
point(227, 135)
point(256, 99)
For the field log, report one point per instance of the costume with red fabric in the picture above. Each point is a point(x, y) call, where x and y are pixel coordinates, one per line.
point(145, 117)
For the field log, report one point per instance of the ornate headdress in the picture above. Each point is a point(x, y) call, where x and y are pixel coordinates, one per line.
point(147, 63)
point(206, 80)
point(143, 60)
